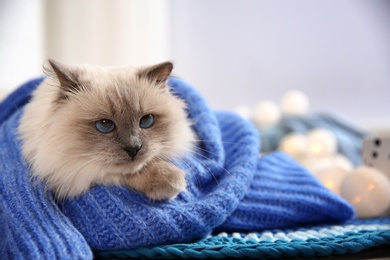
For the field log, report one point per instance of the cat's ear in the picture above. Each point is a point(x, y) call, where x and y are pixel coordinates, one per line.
point(66, 76)
point(157, 73)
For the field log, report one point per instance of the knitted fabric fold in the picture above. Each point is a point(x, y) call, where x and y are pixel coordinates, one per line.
point(31, 224)
point(229, 188)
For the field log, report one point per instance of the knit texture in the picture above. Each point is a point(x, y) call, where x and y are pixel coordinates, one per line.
point(309, 242)
point(31, 224)
point(229, 188)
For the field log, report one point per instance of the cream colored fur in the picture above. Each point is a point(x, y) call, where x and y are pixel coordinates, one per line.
point(63, 148)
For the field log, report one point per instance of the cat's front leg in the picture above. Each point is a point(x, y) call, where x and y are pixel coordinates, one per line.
point(158, 180)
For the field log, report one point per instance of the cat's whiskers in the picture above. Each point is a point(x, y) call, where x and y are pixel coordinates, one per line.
point(193, 151)
point(205, 166)
point(207, 151)
point(166, 145)
point(233, 178)
point(191, 169)
point(17, 109)
point(223, 168)
point(219, 141)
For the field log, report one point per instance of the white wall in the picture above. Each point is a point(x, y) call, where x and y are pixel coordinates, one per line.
point(21, 42)
point(236, 52)
point(239, 52)
point(109, 33)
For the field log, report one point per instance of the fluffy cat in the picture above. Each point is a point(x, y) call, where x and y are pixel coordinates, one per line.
point(88, 125)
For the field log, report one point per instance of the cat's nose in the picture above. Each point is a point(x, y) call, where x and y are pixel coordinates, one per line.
point(132, 150)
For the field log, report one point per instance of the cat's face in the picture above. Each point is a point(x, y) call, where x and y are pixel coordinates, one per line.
point(93, 122)
point(122, 118)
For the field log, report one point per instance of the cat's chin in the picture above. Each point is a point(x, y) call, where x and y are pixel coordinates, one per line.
point(126, 166)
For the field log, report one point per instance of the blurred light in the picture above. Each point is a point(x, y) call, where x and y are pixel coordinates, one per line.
point(266, 113)
point(368, 190)
point(332, 178)
point(322, 142)
point(294, 144)
point(294, 102)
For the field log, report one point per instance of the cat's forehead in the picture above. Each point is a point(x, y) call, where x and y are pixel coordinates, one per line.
point(101, 76)
point(120, 92)
point(120, 86)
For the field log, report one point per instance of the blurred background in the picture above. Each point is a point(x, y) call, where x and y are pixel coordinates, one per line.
point(236, 52)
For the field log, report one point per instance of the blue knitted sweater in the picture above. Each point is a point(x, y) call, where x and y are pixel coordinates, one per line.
point(229, 189)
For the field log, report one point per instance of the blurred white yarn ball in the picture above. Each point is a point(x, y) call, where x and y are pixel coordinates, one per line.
point(244, 111)
point(316, 164)
point(294, 102)
point(342, 162)
point(266, 113)
point(332, 178)
point(321, 142)
point(294, 144)
point(368, 190)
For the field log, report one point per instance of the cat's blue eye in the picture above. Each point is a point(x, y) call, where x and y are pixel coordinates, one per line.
point(146, 121)
point(104, 126)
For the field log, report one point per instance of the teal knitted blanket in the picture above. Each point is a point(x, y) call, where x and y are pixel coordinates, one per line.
point(312, 242)
point(230, 189)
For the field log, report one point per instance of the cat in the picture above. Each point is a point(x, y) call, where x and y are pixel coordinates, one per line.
point(89, 125)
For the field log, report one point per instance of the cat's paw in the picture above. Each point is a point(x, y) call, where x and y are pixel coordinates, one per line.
point(159, 181)
point(167, 184)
